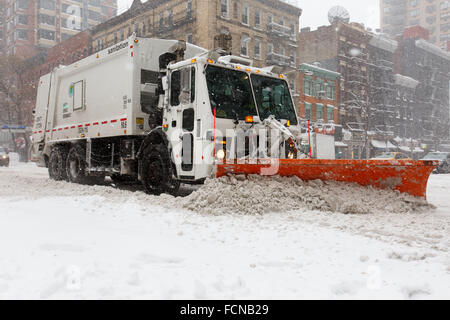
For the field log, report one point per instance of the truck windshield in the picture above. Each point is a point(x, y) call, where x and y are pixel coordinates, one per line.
point(273, 98)
point(230, 93)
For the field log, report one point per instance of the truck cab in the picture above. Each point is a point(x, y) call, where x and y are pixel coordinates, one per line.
point(219, 110)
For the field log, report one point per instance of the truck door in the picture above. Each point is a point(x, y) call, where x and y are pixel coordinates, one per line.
point(183, 97)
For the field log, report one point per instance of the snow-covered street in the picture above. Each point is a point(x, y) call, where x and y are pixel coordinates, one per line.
point(65, 241)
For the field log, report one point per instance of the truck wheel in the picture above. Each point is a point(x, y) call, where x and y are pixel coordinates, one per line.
point(76, 168)
point(57, 164)
point(158, 172)
point(76, 165)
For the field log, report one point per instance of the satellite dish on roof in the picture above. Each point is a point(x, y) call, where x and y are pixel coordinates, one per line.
point(337, 14)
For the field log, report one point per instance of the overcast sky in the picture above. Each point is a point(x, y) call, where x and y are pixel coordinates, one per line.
point(315, 11)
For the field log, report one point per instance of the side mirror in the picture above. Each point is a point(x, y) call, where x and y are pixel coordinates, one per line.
point(165, 83)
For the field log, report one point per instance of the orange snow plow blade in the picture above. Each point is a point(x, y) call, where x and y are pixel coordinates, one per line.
point(406, 176)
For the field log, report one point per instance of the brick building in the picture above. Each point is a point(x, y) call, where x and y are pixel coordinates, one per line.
point(389, 90)
point(263, 30)
point(28, 26)
point(430, 66)
point(341, 48)
point(319, 94)
point(434, 15)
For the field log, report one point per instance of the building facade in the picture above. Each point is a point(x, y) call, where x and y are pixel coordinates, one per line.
point(341, 48)
point(390, 91)
point(263, 30)
point(434, 15)
point(28, 26)
point(319, 94)
point(430, 66)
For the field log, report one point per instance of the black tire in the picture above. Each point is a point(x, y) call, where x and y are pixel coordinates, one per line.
point(158, 173)
point(76, 168)
point(57, 164)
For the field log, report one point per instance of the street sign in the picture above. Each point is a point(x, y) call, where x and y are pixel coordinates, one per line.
point(13, 127)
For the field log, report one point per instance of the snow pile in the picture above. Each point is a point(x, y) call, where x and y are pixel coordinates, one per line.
point(252, 195)
point(260, 195)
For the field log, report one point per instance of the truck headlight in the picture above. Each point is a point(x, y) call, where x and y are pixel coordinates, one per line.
point(3, 157)
point(220, 154)
point(291, 155)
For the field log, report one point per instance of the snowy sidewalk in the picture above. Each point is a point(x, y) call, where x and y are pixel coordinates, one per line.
point(59, 240)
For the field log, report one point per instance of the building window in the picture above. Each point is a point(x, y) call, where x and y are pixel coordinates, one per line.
point(257, 49)
point(189, 9)
point(307, 111)
point(257, 19)
point(414, 13)
point(235, 10)
point(46, 34)
point(189, 38)
point(224, 8)
point(307, 86)
point(319, 90)
point(330, 114)
point(330, 90)
point(245, 39)
point(161, 20)
point(21, 19)
point(319, 111)
point(21, 34)
point(46, 19)
point(169, 17)
point(94, 3)
point(21, 4)
point(94, 15)
point(47, 4)
point(292, 59)
point(245, 14)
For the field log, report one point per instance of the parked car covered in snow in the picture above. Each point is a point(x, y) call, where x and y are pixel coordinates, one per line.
point(4, 157)
point(443, 158)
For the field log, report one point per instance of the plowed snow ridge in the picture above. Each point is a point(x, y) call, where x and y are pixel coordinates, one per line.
point(259, 195)
point(253, 195)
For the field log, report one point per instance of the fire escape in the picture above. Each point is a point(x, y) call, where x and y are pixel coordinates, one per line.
point(382, 111)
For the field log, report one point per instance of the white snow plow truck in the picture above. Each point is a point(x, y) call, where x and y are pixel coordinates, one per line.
point(165, 112)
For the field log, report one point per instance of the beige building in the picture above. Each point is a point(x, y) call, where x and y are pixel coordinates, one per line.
point(263, 30)
point(434, 15)
point(28, 26)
